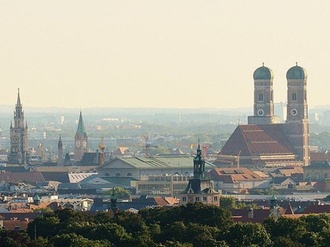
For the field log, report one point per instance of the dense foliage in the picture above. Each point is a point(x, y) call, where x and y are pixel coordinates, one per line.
point(192, 225)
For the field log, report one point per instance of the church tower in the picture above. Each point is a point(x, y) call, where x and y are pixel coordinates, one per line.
point(80, 139)
point(19, 153)
point(200, 188)
point(297, 124)
point(263, 107)
point(60, 151)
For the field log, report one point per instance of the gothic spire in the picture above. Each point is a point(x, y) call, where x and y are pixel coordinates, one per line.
point(18, 104)
point(81, 127)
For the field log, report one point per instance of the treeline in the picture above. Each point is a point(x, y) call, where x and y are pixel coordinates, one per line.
point(185, 226)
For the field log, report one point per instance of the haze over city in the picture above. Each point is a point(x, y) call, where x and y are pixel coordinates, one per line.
point(172, 54)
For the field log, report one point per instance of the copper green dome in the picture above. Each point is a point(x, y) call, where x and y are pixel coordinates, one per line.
point(263, 73)
point(296, 73)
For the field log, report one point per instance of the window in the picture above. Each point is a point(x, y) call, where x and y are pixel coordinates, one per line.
point(129, 174)
point(260, 97)
point(197, 199)
point(216, 198)
point(184, 198)
point(117, 174)
point(107, 174)
point(294, 96)
point(204, 198)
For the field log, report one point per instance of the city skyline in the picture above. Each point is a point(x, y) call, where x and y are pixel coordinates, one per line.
point(162, 54)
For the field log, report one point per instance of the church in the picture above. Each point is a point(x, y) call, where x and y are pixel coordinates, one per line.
point(264, 142)
point(19, 149)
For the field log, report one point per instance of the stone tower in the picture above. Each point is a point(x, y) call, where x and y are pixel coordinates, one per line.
point(60, 151)
point(19, 151)
point(263, 107)
point(297, 124)
point(200, 188)
point(81, 140)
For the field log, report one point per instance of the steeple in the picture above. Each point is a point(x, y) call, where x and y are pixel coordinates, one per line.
point(81, 140)
point(18, 104)
point(81, 127)
point(60, 143)
point(199, 164)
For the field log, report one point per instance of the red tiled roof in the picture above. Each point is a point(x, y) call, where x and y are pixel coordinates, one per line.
point(160, 201)
point(233, 175)
point(254, 140)
point(241, 215)
point(15, 224)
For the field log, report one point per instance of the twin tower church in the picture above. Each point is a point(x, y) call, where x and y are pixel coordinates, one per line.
point(264, 141)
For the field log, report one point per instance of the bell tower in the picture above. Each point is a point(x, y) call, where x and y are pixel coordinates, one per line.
point(200, 188)
point(263, 107)
point(297, 124)
point(80, 140)
point(19, 151)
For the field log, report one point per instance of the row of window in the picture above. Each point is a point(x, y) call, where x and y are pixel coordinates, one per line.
point(118, 174)
point(198, 199)
point(293, 96)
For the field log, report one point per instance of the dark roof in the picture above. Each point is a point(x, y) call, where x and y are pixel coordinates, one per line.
point(14, 169)
point(62, 177)
point(320, 164)
point(88, 159)
point(252, 140)
point(123, 181)
point(138, 203)
point(241, 215)
point(20, 216)
point(316, 209)
point(20, 177)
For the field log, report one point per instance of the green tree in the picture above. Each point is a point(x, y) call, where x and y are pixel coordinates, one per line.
point(285, 228)
point(248, 234)
point(120, 192)
point(227, 202)
point(74, 240)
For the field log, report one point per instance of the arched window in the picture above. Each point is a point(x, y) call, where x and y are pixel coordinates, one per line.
point(129, 174)
point(294, 96)
point(260, 97)
point(107, 174)
point(117, 174)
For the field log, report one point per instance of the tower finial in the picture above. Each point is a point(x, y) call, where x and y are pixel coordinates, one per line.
point(296, 63)
point(263, 64)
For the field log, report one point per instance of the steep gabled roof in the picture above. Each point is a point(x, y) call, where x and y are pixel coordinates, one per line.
point(81, 127)
point(257, 140)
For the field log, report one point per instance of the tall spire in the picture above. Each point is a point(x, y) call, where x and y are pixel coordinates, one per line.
point(18, 104)
point(81, 127)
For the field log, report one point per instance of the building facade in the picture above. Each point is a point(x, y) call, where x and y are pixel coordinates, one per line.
point(19, 149)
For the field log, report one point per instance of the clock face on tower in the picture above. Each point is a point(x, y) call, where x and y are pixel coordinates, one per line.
point(294, 112)
point(260, 112)
point(77, 144)
point(84, 144)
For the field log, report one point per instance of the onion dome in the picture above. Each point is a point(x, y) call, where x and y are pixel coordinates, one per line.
point(263, 73)
point(296, 73)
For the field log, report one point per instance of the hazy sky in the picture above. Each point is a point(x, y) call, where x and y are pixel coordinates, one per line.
point(150, 53)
